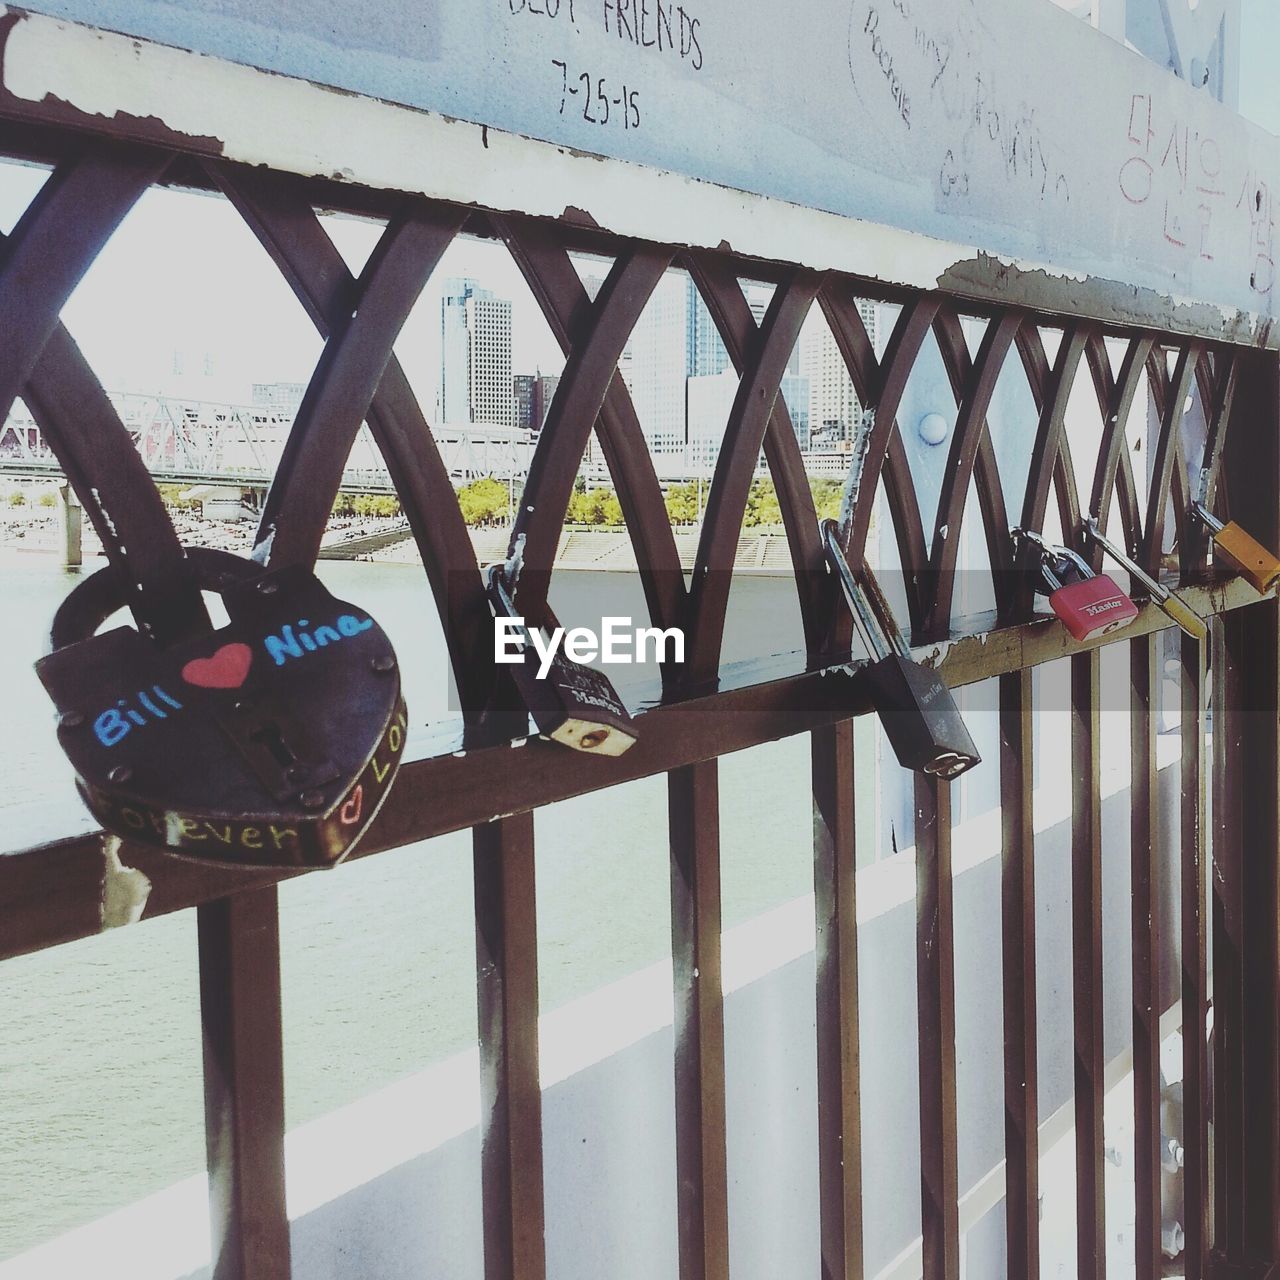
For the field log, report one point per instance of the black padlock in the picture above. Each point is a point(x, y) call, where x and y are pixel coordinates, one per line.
point(272, 741)
point(572, 704)
point(920, 717)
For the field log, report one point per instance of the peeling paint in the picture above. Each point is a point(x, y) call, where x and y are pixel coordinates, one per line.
point(125, 890)
point(933, 655)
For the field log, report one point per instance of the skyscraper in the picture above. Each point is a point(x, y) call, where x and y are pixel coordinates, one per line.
point(835, 412)
point(704, 351)
point(475, 355)
point(659, 360)
point(533, 395)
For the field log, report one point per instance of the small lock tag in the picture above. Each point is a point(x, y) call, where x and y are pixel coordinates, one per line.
point(1240, 551)
point(272, 741)
point(919, 714)
point(572, 704)
point(1090, 605)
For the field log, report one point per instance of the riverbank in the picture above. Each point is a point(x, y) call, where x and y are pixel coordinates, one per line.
point(387, 540)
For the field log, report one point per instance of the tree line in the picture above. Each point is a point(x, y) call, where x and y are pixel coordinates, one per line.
point(487, 502)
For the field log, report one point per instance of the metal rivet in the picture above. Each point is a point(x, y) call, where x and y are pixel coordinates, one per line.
point(383, 663)
point(268, 588)
point(312, 799)
point(72, 720)
point(120, 774)
point(591, 740)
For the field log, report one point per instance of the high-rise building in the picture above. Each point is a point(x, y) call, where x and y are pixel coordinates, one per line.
point(795, 395)
point(658, 359)
point(522, 389)
point(544, 390)
point(475, 355)
point(533, 395)
point(711, 397)
point(835, 412)
point(704, 351)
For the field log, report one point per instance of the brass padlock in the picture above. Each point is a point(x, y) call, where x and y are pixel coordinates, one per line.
point(1240, 551)
point(272, 741)
point(572, 704)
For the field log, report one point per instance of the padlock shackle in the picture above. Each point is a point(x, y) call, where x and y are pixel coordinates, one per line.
point(876, 642)
point(1048, 553)
point(1156, 590)
point(1206, 517)
point(105, 592)
point(884, 615)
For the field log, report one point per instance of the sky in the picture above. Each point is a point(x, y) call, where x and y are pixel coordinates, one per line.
point(1260, 62)
point(183, 274)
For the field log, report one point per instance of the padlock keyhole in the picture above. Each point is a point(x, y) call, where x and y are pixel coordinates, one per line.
point(270, 737)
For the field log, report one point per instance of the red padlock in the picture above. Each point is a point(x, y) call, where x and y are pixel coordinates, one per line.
point(1090, 606)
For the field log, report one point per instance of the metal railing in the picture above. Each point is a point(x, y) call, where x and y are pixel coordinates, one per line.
point(51, 892)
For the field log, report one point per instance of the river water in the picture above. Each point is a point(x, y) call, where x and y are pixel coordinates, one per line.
point(100, 1052)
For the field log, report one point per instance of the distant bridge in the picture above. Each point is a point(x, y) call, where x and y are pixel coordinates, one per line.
point(200, 442)
point(191, 442)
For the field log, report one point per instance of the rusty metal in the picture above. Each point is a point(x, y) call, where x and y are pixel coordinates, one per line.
point(1018, 954)
point(1195, 965)
point(702, 1178)
point(1086, 959)
point(1146, 868)
point(839, 1092)
point(507, 1008)
point(735, 467)
point(936, 1017)
point(239, 948)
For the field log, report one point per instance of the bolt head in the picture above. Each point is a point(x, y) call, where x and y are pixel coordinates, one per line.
point(383, 663)
point(268, 588)
point(120, 775)
point(71, 720)
point(590, 741)
point(312, 799)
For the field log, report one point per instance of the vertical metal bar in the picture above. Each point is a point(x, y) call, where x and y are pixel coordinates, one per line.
point(1145, 870)
point(1018, 933)
point(1228, 960)
point(1257, 742)
point(936, 1010)
point(839, 1100)
point(510, 1092)
point(1249, 848)
point(1086, 945)
point(1195, 980)
point(702, 1196)
point(239, 948)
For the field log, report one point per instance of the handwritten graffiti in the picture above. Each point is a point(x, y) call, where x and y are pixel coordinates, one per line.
point(290, 645)
point(116, 723)
point(984, 132)
point(1180, 173)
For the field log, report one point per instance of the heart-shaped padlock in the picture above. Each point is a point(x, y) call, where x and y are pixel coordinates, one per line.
point(272, 741)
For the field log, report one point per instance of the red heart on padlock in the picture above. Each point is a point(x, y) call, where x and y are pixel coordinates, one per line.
point(225, 668)
point(349, 814)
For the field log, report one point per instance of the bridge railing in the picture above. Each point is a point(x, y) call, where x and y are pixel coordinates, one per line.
point(1214, 409)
